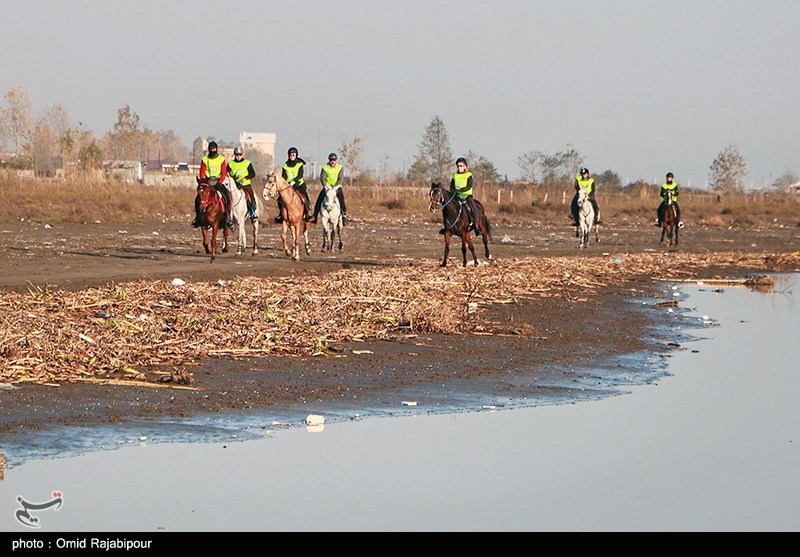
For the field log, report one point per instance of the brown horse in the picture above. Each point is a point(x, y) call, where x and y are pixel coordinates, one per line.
point(292, 211)
point(669, 224)
point(457, 222)
point(212, 216)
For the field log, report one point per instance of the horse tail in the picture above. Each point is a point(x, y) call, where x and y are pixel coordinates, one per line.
point(488, 227)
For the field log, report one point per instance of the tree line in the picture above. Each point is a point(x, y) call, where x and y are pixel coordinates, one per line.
point(48, 141)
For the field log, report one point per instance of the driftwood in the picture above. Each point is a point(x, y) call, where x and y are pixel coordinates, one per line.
point(124, 334)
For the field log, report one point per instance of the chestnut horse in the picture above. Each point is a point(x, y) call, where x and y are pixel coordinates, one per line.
point(292, 212)
point(669, 225)
point(212, 216)
point(457, 222)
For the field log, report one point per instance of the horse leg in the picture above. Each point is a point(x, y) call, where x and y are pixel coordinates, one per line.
point(464, 249)
point(339, 233)
point(447, 237)
point(204, 230)
point(305, 239)
point(255, 236)
point(225, 239)
point(284, 228)
point(472, 249)
point(213, 242)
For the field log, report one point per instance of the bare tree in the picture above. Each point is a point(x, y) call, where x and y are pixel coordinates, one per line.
point(550, 170)
point(434, 158)
point(17, 118)
point(352, 152)
point(728, 170)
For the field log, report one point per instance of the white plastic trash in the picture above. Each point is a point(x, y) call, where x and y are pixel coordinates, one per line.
point(315, 419)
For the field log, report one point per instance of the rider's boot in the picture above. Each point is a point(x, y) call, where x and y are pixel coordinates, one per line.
point(344, 219)
point(442, 231)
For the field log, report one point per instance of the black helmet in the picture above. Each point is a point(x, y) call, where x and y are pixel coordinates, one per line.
point(292, 150)
point(332, 157)
point(212, 145)
point(462, 159)
point(670, 175)
point(584, 170)
point(238, 151)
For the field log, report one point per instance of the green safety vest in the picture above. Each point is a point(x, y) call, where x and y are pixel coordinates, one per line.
point(673, 187)
point(292, 172)
point(587, 184)
point(332, 175)
point(461, 179)
point(214, 166)
point(238, 169)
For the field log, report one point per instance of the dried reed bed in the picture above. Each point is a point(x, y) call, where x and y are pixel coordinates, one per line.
point(120, 333)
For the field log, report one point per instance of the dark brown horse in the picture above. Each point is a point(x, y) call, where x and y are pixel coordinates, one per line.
point(669, 224)
point(457, 222)
point(212, 216)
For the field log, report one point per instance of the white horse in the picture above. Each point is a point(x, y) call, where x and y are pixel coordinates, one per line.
point(585, 218)
point(242, 215)
point(331, 213)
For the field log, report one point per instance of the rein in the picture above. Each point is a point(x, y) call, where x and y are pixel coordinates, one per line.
point(441, 205)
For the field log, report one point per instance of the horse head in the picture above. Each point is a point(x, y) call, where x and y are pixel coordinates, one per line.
point(583, 196)
point(330, 198)
point(435, 197)
point(271, 188)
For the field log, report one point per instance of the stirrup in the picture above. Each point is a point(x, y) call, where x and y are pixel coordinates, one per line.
point(442, 231)
point(278, 219)
point(680, 224)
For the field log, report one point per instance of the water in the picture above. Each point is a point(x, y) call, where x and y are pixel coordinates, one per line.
point(713, 445)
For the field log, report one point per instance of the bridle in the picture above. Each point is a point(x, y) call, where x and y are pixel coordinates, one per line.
point(272, 184)
point(211, 199)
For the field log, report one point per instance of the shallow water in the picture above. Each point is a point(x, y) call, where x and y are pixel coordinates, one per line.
point(712, 444)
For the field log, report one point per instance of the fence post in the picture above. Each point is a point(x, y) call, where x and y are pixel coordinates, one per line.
point(498, 195)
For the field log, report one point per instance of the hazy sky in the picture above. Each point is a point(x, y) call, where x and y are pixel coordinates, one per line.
point(637, 86)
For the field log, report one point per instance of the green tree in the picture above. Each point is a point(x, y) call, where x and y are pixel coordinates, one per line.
point(91, 155)
point(483, 169)
point(434, 158)
point(609, 180)
point(728, 170)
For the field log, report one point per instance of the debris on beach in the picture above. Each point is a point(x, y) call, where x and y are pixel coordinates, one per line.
point(130, 333)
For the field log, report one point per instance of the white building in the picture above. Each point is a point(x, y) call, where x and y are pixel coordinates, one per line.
point(264, 142)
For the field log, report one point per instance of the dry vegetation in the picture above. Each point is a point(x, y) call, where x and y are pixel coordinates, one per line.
point(147, 332)
point(144, 332)
point(112, 201)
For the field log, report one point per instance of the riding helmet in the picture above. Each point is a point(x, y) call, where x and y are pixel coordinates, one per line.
point(670, 175)
point(584, 170)
point(291, 150)
point(212, 145)
point(238, 151)
point(461, 159)
point(332, 156)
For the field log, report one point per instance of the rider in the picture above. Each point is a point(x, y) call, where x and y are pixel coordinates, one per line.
point(331, 175)
point(461, 185)
point(292, 172)
point(669, 186)
point(242, 172)
point(584, 182)
point(214, 166)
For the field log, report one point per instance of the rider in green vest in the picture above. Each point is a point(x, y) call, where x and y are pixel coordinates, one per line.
point(669, 186)
point(242, 172)
point(331, 175)
point(461, 186)
point(292, 172)
point(215, 167)
point(583, 181)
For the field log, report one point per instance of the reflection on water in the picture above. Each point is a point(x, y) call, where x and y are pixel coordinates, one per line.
point(713, 444)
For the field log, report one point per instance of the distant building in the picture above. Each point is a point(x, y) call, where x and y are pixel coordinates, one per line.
point(263, 142)
point(794, 188)
point(127, 171)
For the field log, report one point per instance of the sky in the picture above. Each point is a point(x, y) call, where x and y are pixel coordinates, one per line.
point(639, 87)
